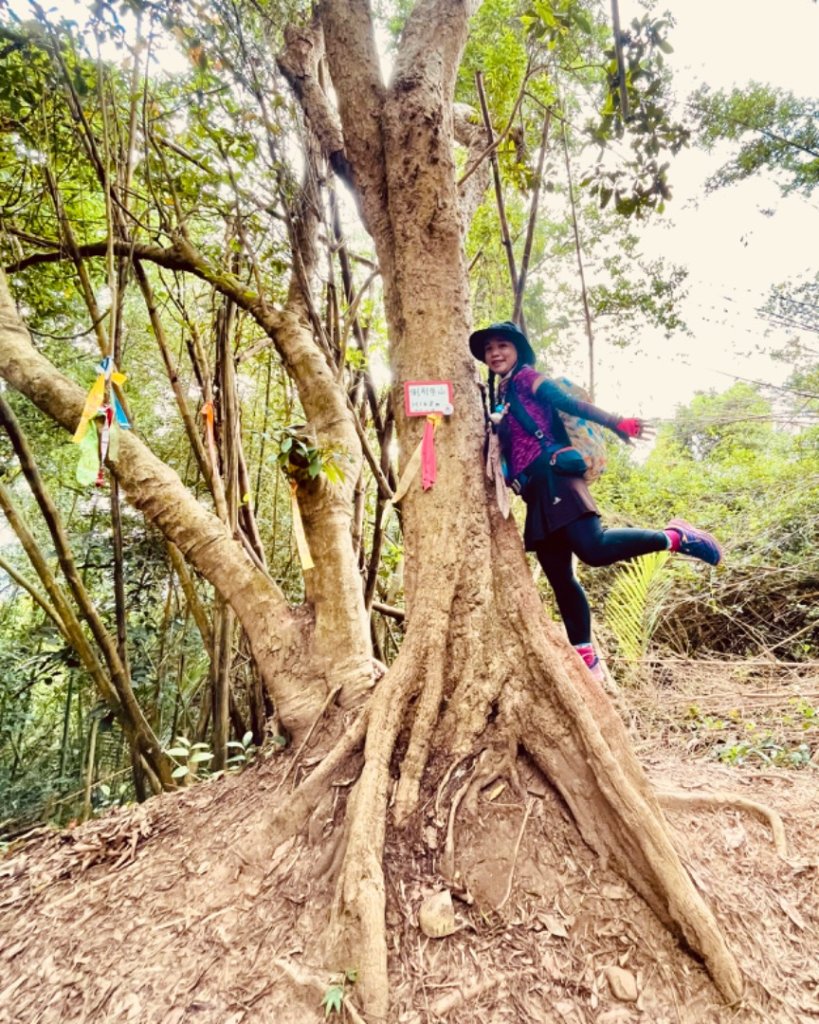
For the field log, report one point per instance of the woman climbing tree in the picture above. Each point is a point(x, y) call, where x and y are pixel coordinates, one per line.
point(562, 519)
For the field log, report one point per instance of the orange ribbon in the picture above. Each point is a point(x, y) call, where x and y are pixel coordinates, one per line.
point(207, 412)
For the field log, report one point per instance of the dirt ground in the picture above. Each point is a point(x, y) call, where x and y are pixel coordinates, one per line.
point(170, 912)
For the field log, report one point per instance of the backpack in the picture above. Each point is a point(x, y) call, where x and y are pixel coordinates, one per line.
point(587, 437)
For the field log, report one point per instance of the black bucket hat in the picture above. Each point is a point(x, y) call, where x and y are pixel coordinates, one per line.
point(507, 330)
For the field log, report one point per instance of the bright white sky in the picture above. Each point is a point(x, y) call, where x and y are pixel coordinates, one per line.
point(733, 251)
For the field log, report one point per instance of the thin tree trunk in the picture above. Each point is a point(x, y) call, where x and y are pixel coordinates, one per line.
point(200, 615)
point(211, 474)
point(230, 462)
point(578, 252)
point(66, 726)
point(120, 601)
point(506, 237)
point(90, 765)
point(530, 228)
point(141, 732)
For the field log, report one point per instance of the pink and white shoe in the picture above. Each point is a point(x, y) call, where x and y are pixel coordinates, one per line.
point(591, 661)
point(696, 543)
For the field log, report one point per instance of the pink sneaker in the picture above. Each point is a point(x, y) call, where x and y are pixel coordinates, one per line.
point(591, 661)
point(696, 543)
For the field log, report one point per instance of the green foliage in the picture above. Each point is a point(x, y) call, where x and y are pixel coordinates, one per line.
point(304, 461)
point(333, 998)
point(739, 741)
point(634, 602)
point(731, 463)
point(244, 750)
point(191, 759)
point(644, 120)
point(775, 130)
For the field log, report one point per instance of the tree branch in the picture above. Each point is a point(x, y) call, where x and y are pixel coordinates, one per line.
point(275, 634)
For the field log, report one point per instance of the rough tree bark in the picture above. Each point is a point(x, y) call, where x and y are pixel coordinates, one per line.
point(477, 640)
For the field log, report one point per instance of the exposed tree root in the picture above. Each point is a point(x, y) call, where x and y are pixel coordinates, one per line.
point(514, 860)
point(446, 1004)
point(289, 816)
point(308, 980)
point(331, 696)
point(677, 798)
point(423, 729)
point(573, 733)
point(359, 905)
point(447, 865)
point(494, 764)
point(490, 765)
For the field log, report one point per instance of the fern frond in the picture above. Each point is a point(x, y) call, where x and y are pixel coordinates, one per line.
point(635, 601)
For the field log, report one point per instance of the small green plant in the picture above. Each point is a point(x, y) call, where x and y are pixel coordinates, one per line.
point(191, 759)
point(333, 998)
point(302, 460)
point(104, 796)
point(244, 752)
point(735, 741)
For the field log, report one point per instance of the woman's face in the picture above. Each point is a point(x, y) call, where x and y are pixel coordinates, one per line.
point(500, 355)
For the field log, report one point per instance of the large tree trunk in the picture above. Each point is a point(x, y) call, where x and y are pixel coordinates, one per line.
point(480, 670)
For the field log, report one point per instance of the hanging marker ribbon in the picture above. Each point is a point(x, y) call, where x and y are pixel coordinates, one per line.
point(494, 472)
point(408, 475)
point(93, 402)
point(89, 462)
point(429, 466)
point(302, 546)
point(207, 412)
point(422, 458)
point(119, 412)
point(105, 440)
point(96, 396)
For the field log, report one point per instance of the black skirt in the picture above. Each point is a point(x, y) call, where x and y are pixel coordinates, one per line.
point(552, 501)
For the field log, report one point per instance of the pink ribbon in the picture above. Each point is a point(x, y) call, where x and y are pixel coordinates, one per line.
point(429, 467)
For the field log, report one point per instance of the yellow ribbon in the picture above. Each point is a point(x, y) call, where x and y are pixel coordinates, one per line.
point(302, 546)
point(93, 401)
point(415, 461)
point(409, 474)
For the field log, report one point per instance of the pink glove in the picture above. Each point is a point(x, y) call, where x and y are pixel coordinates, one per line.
point(632, 427)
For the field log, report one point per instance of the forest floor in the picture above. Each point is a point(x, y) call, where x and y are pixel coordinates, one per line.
point(171, 912)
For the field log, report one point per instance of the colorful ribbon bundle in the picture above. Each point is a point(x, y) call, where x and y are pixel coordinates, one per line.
point(98, 445)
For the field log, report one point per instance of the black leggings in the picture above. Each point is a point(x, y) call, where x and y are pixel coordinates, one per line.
point(595, 545)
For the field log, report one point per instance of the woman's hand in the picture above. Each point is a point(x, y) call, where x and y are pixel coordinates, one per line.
point(633, 427)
